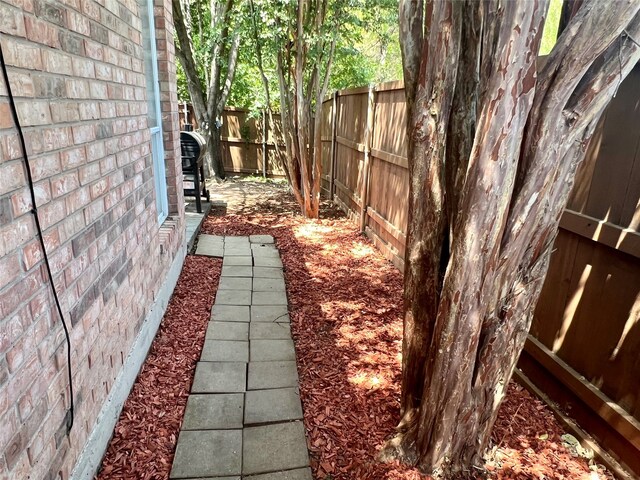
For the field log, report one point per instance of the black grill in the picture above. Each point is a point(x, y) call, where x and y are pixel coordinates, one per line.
point(193, 146)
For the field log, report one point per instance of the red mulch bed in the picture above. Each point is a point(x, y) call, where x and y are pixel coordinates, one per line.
point(145, 437)
point(346, 320)
point(345, 302)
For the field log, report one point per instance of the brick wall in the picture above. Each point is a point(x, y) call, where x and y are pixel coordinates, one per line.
point(76, 68)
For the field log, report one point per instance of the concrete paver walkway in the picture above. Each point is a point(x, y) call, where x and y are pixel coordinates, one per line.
point(244, 416)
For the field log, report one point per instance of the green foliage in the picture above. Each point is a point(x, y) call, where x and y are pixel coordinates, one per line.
point(550, 32)
point(370, 50)
point(205, 35)
point(183, 91)
point(367, 49)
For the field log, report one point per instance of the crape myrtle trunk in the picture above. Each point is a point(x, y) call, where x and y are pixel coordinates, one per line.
point(494, 142)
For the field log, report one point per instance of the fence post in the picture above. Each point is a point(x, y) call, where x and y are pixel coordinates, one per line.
point(368, 135)
point(265, 131)
point(332, 158)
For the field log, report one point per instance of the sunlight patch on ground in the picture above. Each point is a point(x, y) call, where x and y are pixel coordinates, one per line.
point(368, 381)
point(311, 231)
point(355, 334)
point(361, 250)
point(329, 249)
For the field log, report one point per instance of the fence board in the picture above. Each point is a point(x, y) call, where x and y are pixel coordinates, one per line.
point(611, 184)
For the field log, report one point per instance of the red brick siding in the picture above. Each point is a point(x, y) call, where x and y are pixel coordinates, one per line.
point(76, 68)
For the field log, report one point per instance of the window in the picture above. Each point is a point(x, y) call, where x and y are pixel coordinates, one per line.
point(155, 118)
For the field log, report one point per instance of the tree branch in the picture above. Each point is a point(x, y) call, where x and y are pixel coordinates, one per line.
point(184, 52)
point(231, 71)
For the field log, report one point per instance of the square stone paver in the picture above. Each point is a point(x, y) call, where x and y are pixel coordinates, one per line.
point(268, 284)
point(236, 239)
point(236, 245)
point(226, 351)
point(237, 249)
point(210, 246)
point(237, 260)
point(264, 375)
point(265, 406)
point(262, 453)
point(297, 474)
point(233, 297)
point(208, 453)
point(267, 272)
point(229, 331)
point(269, 298)
point(270, 313)
point(237, 252)
point(268, 331)
point(230, 313)
point(235, 283)
point(220, 377)
point(225, 478)
point(263, 261)
point(214, 412)
point(271, 350)
point(222, 478)
point(260, 238)
point(237, 271)
point(265, 251)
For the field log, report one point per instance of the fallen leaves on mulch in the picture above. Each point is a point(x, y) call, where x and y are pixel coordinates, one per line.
point(146, 434)
point(346, 305)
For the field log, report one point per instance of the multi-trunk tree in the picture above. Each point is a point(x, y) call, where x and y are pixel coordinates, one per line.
point(306, 34)
point(208, 43)
point(494, 142)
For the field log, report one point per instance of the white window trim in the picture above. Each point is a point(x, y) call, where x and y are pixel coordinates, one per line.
point(157, 144)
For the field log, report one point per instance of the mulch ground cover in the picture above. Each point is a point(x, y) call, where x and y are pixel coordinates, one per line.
point(346, 312)
point(145, 437)
point(345, 302)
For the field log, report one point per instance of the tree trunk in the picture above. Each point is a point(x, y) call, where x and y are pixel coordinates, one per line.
point(214, 149)
point(486, 194)
point(265, 83)
point(568, 11)
point(303, 68)
point(209, 99)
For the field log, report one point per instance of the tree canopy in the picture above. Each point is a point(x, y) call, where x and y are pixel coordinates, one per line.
point(367, 49)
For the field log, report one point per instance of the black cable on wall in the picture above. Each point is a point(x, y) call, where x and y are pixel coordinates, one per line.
point(34, 211)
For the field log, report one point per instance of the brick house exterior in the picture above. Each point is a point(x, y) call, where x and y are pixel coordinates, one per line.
point(77, 70)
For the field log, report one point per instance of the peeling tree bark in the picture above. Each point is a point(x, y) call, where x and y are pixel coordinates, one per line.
point(492, 158)
point(303, 80)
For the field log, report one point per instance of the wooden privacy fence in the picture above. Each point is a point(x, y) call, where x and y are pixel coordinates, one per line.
point(248, 144)
point(365, 164)
point(584, 347)
point(248, 141)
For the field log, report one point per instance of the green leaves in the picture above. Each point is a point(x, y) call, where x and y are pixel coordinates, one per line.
point(366, 51)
